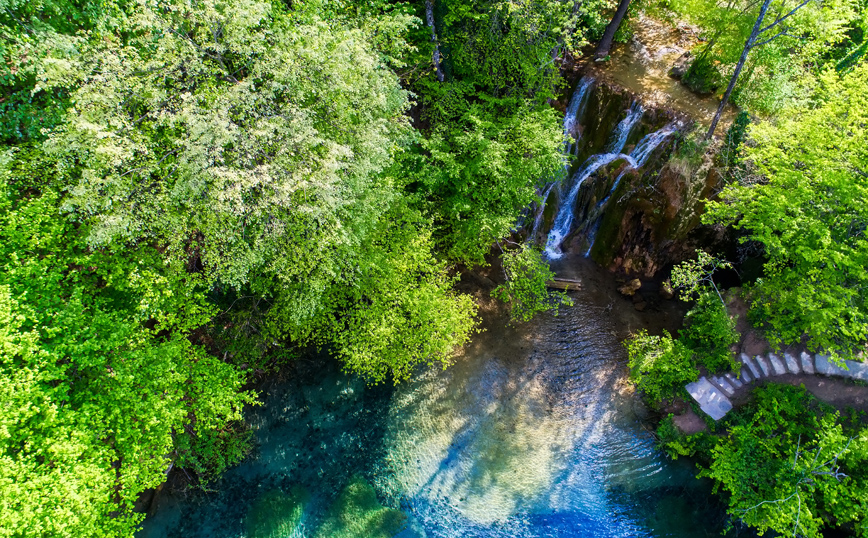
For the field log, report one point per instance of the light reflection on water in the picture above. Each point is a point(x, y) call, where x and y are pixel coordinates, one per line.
point(532, 433)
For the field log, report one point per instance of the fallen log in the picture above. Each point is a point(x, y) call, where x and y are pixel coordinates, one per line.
point(567, 284)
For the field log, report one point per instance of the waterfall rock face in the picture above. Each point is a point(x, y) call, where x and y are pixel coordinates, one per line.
point(621, 199)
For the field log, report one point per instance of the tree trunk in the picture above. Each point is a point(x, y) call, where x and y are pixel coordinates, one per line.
point(609, 35)
point(747, 46)
point(429, 15)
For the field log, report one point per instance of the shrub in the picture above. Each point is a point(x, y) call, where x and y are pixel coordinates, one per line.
point(526, 291)
point(659, 365)
point(677, 444)
point(702, 76)
point(710, 333)
point(210, 452)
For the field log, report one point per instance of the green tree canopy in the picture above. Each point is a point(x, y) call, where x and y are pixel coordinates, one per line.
point(809, 213)
point(97, 373)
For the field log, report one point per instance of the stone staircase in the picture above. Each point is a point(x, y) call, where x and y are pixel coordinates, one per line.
point(712, 393)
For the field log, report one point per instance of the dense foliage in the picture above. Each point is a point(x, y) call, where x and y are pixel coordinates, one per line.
point(786, 461)
point(808, 211)
point(97, 371)
point(660, 365)
point(192, 192)
point(526, 287)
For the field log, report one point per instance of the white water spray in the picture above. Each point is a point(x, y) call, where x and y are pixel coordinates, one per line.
point(639, 155)
point(622, 131)
point(574, 112)
point(573, 115)
point(564, 220)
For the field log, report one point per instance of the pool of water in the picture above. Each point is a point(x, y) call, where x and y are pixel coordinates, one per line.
point(533, 432)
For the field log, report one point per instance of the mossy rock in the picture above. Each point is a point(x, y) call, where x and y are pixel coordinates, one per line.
point(276, 514)
point(357, 513)
point(702, 77)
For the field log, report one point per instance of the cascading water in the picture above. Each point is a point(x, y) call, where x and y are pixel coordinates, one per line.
point(574, 112)
point(572, 117)
point(564, 219)
point(622, 131)
point(639, 155)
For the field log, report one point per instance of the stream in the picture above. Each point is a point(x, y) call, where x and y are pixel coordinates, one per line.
point(533, 432)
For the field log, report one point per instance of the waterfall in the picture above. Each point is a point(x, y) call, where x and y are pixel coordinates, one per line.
point(622, 131)
point(650, 142)
point(573, 115)
point(638, 157)
point(564, 219)
point(641, 153)
point(574, 112)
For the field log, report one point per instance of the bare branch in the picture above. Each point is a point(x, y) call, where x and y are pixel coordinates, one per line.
point(798, 516)
point(754, 507)
point(777, 35)
point(785, 17)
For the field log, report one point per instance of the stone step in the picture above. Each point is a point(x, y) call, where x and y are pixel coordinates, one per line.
point(792, 364)
point(777, 365)
point(744, 375)
point(723, 384)
point(710, 399)
point(853, 370)
point(751, 366)
point(826, 367)
point(807, 363)
point(857, 370)
point(733, 380)
point(764, 366)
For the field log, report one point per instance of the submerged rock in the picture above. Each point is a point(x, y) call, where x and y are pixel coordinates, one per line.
point(358, 514)
point(629, 289)
point(276, 514)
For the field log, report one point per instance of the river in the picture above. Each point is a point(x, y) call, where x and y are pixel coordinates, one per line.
point(533, 432)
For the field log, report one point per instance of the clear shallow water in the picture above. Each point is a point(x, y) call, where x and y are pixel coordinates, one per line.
point(532, 433)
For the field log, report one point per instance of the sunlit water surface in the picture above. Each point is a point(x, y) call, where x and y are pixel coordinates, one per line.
point(532, 433)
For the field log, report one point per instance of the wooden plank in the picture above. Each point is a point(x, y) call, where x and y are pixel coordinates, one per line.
point(564, 284)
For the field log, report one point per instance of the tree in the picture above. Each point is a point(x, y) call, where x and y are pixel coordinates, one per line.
point(660, 366)
point(808, 212)
point(782, 71)
point(788, 466)
point(609, 35)
point(98, 375)
point(261, 146)
point(526, 287)
point(751, 43)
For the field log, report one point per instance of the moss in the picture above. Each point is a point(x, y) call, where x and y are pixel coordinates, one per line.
point(358, 514)
point(702, 77)
point(276, 514)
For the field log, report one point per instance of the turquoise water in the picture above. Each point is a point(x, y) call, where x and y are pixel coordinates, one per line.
point(532, 433)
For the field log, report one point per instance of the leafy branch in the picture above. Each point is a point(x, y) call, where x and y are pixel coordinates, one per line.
point(691, 276)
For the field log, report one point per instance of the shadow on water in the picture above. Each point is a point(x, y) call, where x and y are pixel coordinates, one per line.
point(533, 432)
